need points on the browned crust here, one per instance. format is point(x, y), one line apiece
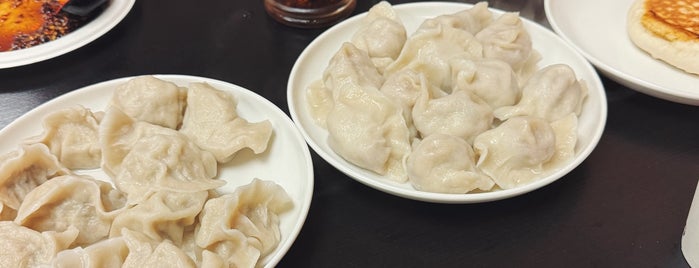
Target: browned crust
point(673, 20)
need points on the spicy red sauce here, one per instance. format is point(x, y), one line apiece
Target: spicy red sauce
point(26, 23)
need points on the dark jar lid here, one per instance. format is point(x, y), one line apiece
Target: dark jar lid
point(309, 13)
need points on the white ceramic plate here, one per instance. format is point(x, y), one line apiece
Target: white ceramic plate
point(287, 160)
point(597, 28)
point(115, 11)
point(313, 60)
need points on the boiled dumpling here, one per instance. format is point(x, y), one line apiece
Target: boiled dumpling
point(404, 88)
point(506, 39)
point(138, 156)
point(365, 127)
point(150, 99)
point(152, 167)
point(471, 20)
point(552, 93)
point(236, 251)
point(445, 164)
point(71, 135)
point(460, 114)
point(370, 132)
point(212, 259)
point(24, 247)
point(430, 51)
point(491, 80)
point(566, 131)
point(72, 201)
point(381, 34)
point(211, 122)
point(189, 245)
point(164, 215)
point(320, 102)
point(514, 153)
point(348, 65)
point(252, 211)
point(118, 132)
point(108, 253)
point(145, 252)
point(23, 170)
point(351, 65)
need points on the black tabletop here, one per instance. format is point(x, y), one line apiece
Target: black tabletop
point(625, 205)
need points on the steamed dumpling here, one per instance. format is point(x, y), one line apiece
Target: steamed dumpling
point(150, 99)
point(71, 135)
point(23, 170)
point(24, 247)
point(211, 122)
point(552, 93)
point(514, 153)
point(459, 114)
point(72, 201)
point(252, 211)
point(445, 164)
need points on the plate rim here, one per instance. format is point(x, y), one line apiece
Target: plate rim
point(303, 205)
point(388, 187)
point(115, 12)
point(639, 84)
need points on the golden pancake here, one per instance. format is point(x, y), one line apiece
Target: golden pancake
point(667, 30)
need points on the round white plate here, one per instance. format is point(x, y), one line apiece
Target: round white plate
point(597, 28)
point(313, 60)
point(287, 160)
point(115, 11)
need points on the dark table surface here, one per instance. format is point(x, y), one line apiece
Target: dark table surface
point(626, 205)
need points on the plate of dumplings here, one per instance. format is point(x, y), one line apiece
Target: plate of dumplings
point(447, 102)
point(170, 170)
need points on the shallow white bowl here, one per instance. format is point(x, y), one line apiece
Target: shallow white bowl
point(287, 160)
point(315, 57)
point(597, 29)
